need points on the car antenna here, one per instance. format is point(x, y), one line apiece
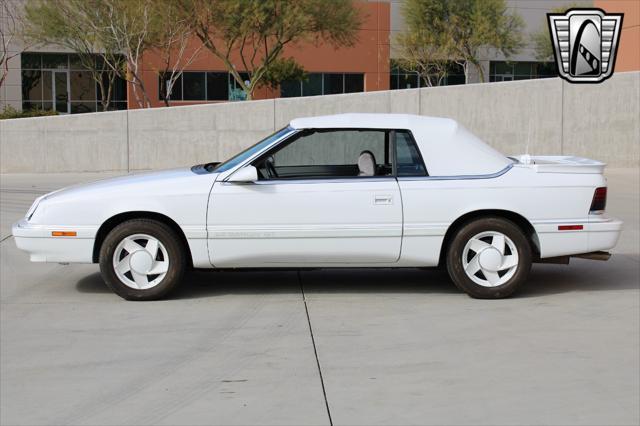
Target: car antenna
point(526, 158)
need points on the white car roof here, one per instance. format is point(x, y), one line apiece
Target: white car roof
point(448, 149)
point(373, 121)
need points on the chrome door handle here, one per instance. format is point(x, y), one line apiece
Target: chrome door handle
point(383, 199)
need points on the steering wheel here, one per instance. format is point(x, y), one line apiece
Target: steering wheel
point(271, 169)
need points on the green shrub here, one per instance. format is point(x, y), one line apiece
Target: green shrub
point(10, 112)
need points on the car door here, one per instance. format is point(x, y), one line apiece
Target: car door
point(311, 205)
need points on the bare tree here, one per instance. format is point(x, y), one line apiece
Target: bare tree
point(10, 29)
point(129, 27)
point(174, 45)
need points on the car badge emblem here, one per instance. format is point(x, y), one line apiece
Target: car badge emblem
point(585, 42)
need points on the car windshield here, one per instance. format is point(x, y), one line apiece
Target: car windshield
point(247, 153)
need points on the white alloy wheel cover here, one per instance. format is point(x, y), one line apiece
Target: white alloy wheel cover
point(490, 259)
point(140, 261)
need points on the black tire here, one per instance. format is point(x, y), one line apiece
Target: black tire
point(177, 261)
point(463, 235)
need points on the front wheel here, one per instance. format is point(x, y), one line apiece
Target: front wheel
point(489, 258)
point(142, 260)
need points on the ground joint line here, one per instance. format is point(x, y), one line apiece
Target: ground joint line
point(315, 350)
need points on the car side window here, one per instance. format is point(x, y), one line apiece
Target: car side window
point(409, 161)
point(329, 153)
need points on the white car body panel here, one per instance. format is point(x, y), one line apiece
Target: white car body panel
point(305, 223)
point(545, 206)
point(380, 221)
point(178, 194)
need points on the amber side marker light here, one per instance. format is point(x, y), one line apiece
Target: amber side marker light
point(570, 227)
point(63, 233)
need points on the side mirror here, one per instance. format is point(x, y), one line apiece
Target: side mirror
point(244, 175)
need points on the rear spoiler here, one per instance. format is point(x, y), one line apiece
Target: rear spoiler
point(560, 164)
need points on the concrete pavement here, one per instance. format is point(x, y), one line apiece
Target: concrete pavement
point(377, 346)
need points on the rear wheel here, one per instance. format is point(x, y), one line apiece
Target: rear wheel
point(489, 258)
point(142, 259)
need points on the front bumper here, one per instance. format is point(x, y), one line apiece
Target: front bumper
point(42, 247)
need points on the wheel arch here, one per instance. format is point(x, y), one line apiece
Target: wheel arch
point(520, 221)
point(109, 224)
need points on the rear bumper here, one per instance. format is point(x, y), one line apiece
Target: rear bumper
point(42, 247)
point(603, 233)
point(598, 233)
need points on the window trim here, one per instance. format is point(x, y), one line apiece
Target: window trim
point(394, 146)
point(457, 177)
point(390, 133)
point(311, 180)
point(288, 131)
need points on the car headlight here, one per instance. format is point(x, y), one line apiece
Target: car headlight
point(33, 207)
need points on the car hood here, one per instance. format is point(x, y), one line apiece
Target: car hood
point(140, 182)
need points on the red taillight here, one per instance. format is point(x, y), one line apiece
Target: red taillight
point(599, 200)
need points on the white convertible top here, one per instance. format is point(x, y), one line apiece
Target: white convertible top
point(448, 149)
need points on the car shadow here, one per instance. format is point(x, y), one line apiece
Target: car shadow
point(317, 281)
point(92, 283)
point(204, 283)
point(622, 272)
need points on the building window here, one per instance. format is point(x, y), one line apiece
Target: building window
point(235, 90)
point(407, 80)
point(61, 82)
point(333, 84)
point(217, 86)
point(353, 83)
point(55, 61)
point(290, 89)
point(194, 86)
point(31, 61)
point(176, 88)
point(508, 71)
point(118, 93)
point(323, 84)
point(401, 78)
point(312, 86)
point(83, 92)
point(202, 86)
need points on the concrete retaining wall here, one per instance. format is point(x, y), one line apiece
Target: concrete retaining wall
point(552, 116)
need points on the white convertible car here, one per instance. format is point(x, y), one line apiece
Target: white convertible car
point(351, 190)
